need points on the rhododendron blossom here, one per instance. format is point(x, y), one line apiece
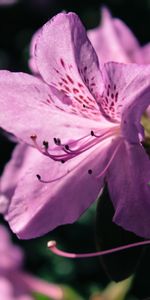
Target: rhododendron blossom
point(15, 284)
point(114, 41)
point(78, 124)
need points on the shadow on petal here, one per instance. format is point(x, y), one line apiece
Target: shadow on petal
point(118, 266)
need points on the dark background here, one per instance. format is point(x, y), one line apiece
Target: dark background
point(17, 24)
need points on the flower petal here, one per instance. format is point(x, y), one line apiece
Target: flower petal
point(32, 61)
point(128, 41)
point(6, 288)
point(27, 109)
point(41, 207)
point(128, 179)
point(11, 255)
point(111, 39)
point(67, 61)
point(123, 84)
point(146, 53)
point(15, 166)
point(138, 100)
point(114, 41)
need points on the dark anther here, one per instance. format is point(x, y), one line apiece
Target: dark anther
point(92, 133)
point(67, 147)
point(62, 161)
point(84, 105)
point(38, 177)
point(45, 144)
point(90, 171)
point(57, 141)
point(33, 137)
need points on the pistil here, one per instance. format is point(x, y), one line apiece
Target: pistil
point(52, 247)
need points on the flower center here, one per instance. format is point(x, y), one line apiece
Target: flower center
point(65, 151)
point(62, 152)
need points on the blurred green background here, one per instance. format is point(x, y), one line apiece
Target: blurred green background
point(86, 276)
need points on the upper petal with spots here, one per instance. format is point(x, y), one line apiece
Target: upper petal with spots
point(28, 110)
point(122, 84)
point(67, 61)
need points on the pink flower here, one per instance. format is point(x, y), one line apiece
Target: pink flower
point(15, 284)
point(114, 41)
point(146, 53)
point(80, 127)
point(32, 63)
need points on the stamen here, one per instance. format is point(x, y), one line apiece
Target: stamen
point(38, 177)
point(74, 142)
point(34, 140)
point(110, 161)
point(57, 141)
point(101, 135)
point(92, 133)
point(68, 151)
point(52, 246)
point(52, 180)
point(67, 147)
point(89, 171)
point(45, 144)
point(89, 143)
point(33, 137)
point(56, 157)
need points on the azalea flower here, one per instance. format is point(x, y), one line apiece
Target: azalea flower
point(78, 126)
point(15, 284)
point(114, 41)
point(32, 62)
point(146, 53)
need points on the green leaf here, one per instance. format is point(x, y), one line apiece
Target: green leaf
point(117, 291)
point(40, 297)
point(70, 294)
